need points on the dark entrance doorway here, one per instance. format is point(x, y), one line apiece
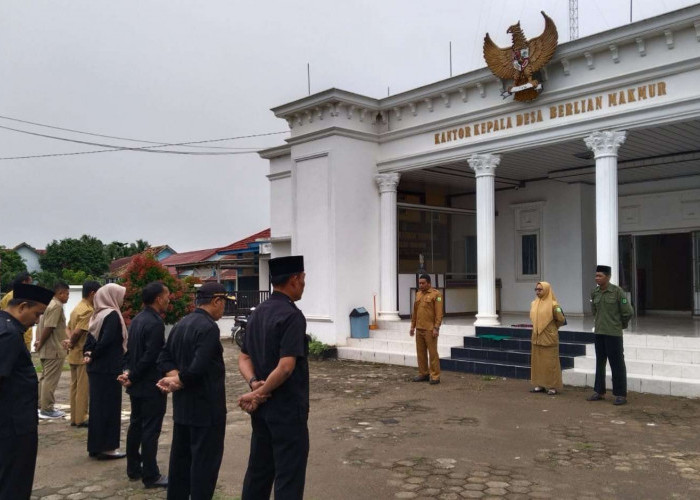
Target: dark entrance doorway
point(664, 272)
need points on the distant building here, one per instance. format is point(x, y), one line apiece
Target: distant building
point(118, 266)
point(30, 256)
point(236, 266)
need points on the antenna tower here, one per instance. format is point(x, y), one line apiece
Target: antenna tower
point(573, 19)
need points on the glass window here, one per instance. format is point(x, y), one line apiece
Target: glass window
point(529, 254)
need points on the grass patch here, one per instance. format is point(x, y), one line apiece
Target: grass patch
point(488, 378)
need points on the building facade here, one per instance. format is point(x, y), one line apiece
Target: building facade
point(490, 195)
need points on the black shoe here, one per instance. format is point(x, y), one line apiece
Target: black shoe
point(134, 476)
point(595, 397)
point(435, 381)
point(111, 455)
point(82, 424)
point(421, 378)
point(620, 400)
point(161, 482)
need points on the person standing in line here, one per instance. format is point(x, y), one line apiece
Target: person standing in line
point(274, 362)
point(51, 333)
point(78, 331)
point(104, 354)
point(612, 312)
point(546, 316)
point(193, 363)
point(23, 277)
point(425, 325)
point(19, 392)
point(146, 340)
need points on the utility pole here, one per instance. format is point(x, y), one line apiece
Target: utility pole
point(573, 19)
point(450, 59)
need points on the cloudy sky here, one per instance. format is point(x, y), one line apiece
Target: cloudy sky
point(174, 71)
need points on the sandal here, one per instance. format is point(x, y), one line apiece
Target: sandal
point(552, 392)
point(537, 389)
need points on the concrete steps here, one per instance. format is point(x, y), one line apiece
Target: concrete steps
point(656, 364)
point(391, 344)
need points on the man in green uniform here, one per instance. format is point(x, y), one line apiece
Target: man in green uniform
point(425, 325)
point(612, 312)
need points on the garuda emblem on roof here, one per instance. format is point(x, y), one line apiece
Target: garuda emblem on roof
point(520, 62)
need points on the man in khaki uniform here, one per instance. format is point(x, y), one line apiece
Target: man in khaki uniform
point(425, 324)
point(51, 333)
point(26, 279)
point(78, 331)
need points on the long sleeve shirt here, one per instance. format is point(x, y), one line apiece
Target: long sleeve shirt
point(611, 309)
point(146, 340)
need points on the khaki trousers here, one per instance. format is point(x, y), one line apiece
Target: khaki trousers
point(50, 375)
point(426, 342)
point(79, 393)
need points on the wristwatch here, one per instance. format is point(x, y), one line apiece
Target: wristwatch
point(252, 379)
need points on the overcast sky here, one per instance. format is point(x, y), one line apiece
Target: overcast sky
point(177, 71)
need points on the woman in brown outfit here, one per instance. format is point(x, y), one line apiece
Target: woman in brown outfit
point(546, 317)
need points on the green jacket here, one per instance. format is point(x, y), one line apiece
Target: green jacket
point(611, 309)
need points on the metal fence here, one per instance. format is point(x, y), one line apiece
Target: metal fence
point(245, 300)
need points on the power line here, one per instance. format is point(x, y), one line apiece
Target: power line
point(144, 149)
point(103, 135)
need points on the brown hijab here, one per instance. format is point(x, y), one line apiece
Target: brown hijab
point(541, 309)
point(108, 298)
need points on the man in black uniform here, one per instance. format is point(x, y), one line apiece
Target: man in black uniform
point(274, 361)
point(19, 392)
point(146, 340)
point(194, 365)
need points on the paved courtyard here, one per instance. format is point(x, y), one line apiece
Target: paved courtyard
point(375, 435)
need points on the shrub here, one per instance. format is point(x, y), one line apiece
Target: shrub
point(143, 269)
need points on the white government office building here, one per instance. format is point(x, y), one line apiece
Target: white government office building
point(494, 195)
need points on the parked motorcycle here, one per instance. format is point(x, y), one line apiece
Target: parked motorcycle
point(240, 323)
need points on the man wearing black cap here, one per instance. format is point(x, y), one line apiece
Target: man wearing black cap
point(274, 362)
point(612, 312)
point(193, 362)
point(19, 396)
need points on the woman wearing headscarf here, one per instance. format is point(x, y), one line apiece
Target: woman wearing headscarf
point(104, 350)
point(546, 316)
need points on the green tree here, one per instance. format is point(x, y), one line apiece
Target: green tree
point(85, 254)
point(117, 249)
point(10, 265)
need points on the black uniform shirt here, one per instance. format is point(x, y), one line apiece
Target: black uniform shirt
point(108, 350)
point(18, 381)
point(146, 340)
point(277, 329)
point(194, 348)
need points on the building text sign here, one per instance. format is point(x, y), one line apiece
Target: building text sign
point(553, 112)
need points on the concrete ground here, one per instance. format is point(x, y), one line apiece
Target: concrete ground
point(376, 435)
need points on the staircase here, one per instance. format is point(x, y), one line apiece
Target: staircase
point(509, 357)
point(391, 343)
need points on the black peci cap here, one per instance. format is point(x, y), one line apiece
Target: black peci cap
point(32, 292)
point(604, 269)
point(284, 266)
point(211, 290)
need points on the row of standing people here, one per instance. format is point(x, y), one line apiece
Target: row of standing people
point(190, 365)
point(611, 311)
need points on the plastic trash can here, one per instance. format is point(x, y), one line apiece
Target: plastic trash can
point(359, 323)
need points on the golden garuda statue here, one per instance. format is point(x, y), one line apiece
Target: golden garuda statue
point(523, 59)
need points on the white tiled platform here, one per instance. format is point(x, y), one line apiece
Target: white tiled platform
point(392, 344)
point(662, 354)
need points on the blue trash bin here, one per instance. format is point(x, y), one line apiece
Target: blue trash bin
point(359, 323)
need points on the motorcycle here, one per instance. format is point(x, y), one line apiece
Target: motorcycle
point(240, 323)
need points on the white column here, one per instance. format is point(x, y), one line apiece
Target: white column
point(388, 303)
point(605, 145)
point(484, 166)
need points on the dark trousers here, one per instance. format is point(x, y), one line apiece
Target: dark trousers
point(17, 464)
point(144, 430)
point(609, 348)
point(104, 425)
point(278, 453)
point(195, 458)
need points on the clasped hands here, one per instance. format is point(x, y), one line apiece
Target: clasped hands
point(250, 401)
point(123, 379)
point(170, 383)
